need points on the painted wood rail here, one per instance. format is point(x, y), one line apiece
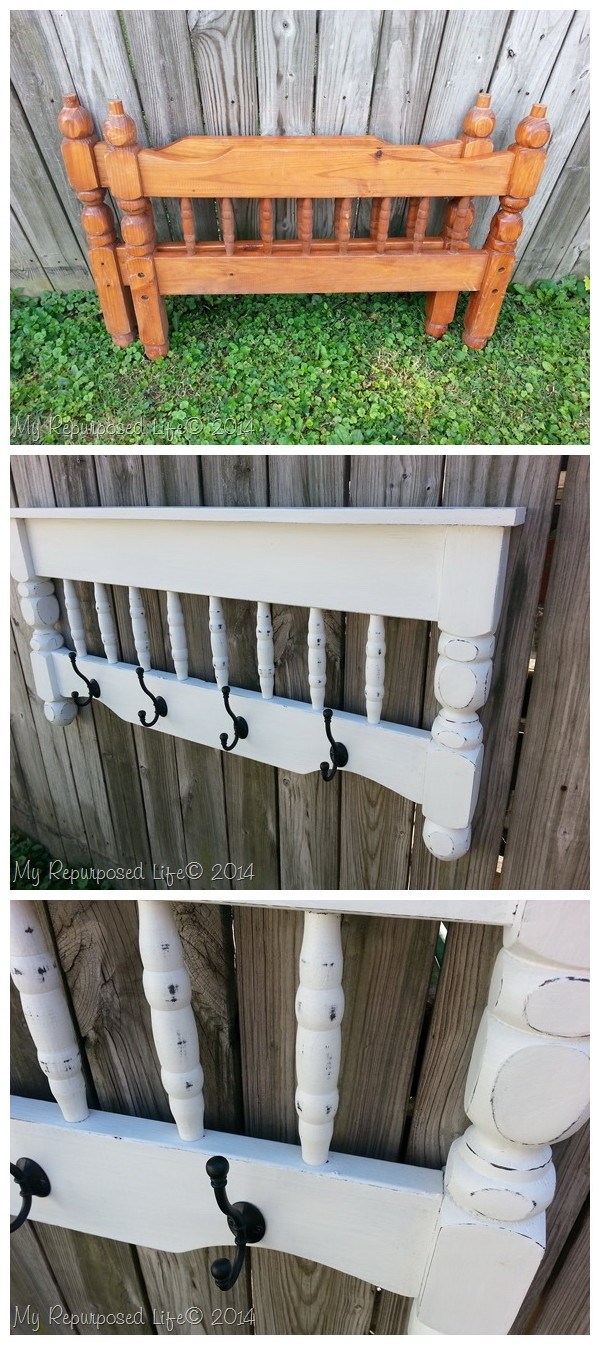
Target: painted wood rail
point(133, 276)
point(444, 565)
point(408, 1229)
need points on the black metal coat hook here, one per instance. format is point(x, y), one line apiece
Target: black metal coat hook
point(244, 1219)
point(32, 1181)
point(239, 724)
point(338, 753)
point(91, 685)
point(160, 705)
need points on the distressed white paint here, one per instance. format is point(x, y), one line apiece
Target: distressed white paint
point(136, 1181)
point(553, 930)
point(375, 669)
point(527, 1086)
point(168, 991)
point(264, 649)
point(177, 637)
point(140, 628)
point(218, 641)
point(40, 609)
point(75, 618)
point(319, 1013)
point(106, 622)
point(36, 975)
point(317, 667)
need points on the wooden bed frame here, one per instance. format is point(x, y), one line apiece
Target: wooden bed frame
point(133, 276)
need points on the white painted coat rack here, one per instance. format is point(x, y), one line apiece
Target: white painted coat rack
point(465, 1243)
point(442, 565)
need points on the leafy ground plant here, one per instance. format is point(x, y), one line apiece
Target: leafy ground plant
point(334, 369)
point(33, 868)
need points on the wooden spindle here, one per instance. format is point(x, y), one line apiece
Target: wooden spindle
point(75, 618)
point(375, 669)
point(41, 611)
point(140, 628)
point(168, 991)
point(319, 1012)
point(188, 225)
point(266, 217)
point(342, 219)
point(416, 221)
point(106, 622)
point(218, 641)
point(317, 670)
point(177, 637)
point(264, 646)
point(228, 225)
point(305, 222)
point(379, 222)
point(36, 975)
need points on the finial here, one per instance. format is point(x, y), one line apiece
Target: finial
point(480, 120)
point(534, 131)
point(119, 129)
point(73, 120)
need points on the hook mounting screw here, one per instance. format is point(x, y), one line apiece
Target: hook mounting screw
point(338, 753)
point(245, 1221)
point(91, 685)
point(240, 725)
point(160, 705)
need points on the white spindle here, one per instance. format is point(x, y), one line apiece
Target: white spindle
point(375, 668)
point(36, 975)
point(316, 657)
point(264, 647)
point(177, 635)
point(319, 1012)
point(106, 622)
point(218, 641)
point(168, 991)
point(140, 628)
point(75, 618)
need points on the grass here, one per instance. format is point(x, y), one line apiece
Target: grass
point(32, 868)
point(336, 369)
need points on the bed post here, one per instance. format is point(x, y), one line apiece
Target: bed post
point(138, 229)
point(478, 125)
point(532, 135)
point(97, 218)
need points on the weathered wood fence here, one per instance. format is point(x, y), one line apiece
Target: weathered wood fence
point(396, 1104)
point(407, 76)
point(105, 793)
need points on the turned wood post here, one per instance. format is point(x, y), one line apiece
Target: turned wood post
point(460, 212)
point(97, 218)
point(532, 135)
point(138, 229)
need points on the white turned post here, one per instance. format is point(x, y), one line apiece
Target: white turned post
point(177, 636)
point(140, 628)
point(461, 685)
point(264, 649)
point(375, 668)
point(106, 622)
point(168, 991)
point(218, 641)
point(75, 618)
point(319, 1013)
point(40, 609)
point(36, 975)
point(317, 674)
point(527, 1087)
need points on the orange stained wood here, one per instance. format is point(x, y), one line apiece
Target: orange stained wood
point(311, 166)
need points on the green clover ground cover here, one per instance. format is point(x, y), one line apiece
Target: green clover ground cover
point(335, 369)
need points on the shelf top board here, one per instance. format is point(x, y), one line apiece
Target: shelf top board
point(434, 517)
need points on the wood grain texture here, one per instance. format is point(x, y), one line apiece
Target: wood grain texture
point(567, 207)
point(376, 826)
point(33, 1286)
point(532, 481)
point(224, 56)
point(285, 65)
point(565, 1306)
point(548, 837)
point(26, 271)
point(572, 1163)
point(37, 209)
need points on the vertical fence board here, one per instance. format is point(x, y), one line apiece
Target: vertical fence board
point(565, 1307)
point(308, 807)
point(285, 64)
point(32, 1287)
point(376, 827)
point(515, 480)
point(39, 212)
point(559, 222)
point(572, 1162)
point(26, 271)
point(348, 43)
point(223, 46)
point(547, 845)
point(575, 259)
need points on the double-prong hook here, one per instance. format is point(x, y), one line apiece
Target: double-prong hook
point(245, 1221)
point(31, 1181)
point(338, 753)
point(239, 724)
point(160, 705)
point(91, 685)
